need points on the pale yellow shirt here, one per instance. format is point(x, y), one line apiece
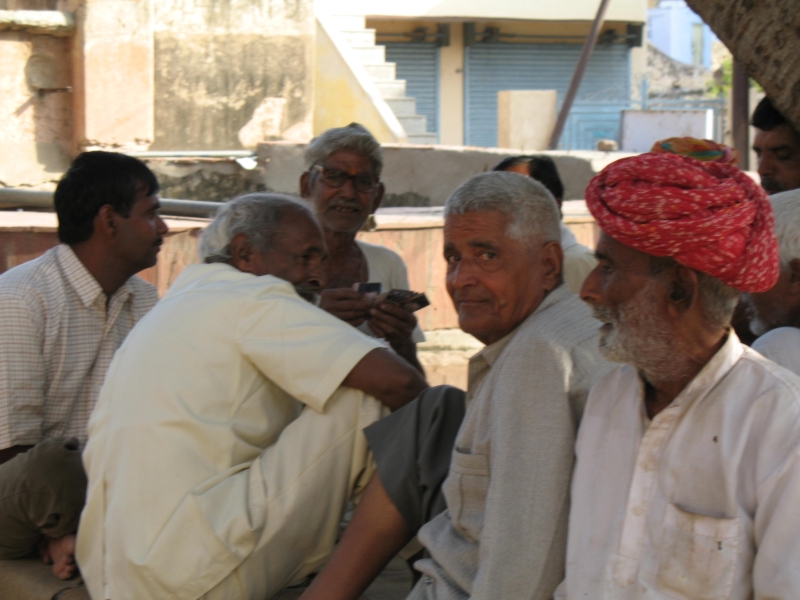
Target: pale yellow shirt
point(204, 383)
point(58, 334)
point(702, 501)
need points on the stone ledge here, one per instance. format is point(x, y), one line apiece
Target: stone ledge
point(49, 22)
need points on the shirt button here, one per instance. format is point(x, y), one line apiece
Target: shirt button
point(637, 510)
point(428, 580)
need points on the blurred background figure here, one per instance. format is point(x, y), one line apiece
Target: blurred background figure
point(777, 146)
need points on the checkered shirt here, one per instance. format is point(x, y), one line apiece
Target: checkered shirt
point(58, 333)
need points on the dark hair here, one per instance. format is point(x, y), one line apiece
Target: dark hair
point(93, 180)
point(541, 168)
point(766, 117)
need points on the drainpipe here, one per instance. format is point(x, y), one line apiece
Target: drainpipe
point(577, 77)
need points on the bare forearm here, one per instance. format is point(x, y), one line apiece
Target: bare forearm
point(408, 350)
point(389, 378)
point(376, 533)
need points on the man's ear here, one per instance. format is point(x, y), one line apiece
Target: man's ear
point(376, 202)
point(683, 290)
point(241, 251)
point(552, 257)
point(104, 223)
point(305, 185)
point(794, 276)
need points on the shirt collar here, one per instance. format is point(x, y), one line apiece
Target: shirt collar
point(713, 371)
point(568, 239)
point(492, 352)
point(83, 282)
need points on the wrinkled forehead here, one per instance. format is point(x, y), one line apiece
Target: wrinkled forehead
point(623, 256)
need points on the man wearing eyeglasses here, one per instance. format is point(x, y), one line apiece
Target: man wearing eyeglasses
point(342, 181)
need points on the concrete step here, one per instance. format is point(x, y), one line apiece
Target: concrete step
point(402, 107)
point(422, 138)
point(370, 54)
point(349, 22)
point(391, 88)
point(413, 123)
point(384, 70)
point(360, 37)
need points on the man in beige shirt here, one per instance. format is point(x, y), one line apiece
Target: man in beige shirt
point(62, 317)
point(227, 439)
point(498, 528)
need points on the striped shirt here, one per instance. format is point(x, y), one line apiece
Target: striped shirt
point(58, 333)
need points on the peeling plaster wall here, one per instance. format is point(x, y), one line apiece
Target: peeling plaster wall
point(232, 73)
point(36, 131)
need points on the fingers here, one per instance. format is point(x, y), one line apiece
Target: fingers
point(345, 304)
point(392, 322)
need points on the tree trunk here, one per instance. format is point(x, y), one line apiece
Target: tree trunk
point(764, 36)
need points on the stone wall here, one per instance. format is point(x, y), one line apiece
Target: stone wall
point(35, 126)
point(229, 74)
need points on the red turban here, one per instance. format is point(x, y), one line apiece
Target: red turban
point(708, 216)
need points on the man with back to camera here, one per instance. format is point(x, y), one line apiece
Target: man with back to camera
point(777, 145)
point(62, 317)
point(227, 439)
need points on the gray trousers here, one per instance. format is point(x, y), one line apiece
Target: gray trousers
point(412, 449)
point(42, 492)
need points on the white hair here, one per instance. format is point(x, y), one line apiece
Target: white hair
point(354, 137)
point(786, 207)
point(531, 209)
point(258, 216)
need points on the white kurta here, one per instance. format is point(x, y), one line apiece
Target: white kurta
point(700, 503)
point(181, 489)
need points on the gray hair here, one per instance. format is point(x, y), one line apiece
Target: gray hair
point(786, 207)
point(531, 210)
point(717, 298)
point(355, 137)
point(258, 216)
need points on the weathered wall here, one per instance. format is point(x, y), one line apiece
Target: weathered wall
point(427, 175)
point(205, 179)
point(230, 73)
point(36, 130)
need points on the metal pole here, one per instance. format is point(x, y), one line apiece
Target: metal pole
point(577, 77)
point(40, 199)
point(741, 114)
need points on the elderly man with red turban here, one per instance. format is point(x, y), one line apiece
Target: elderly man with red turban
point(687, 481)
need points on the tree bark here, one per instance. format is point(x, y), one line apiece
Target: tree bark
point(763, 35)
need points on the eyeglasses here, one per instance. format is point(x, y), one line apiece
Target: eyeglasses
point(336, 178)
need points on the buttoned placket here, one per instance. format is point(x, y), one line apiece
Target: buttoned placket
point(642, 489)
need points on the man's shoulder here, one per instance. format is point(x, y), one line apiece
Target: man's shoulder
point(34, 279)
point(566, 323)
point(380, 254)
point(763, 379)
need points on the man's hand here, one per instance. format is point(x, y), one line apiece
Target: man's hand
point(345, 304)
point(393, 323)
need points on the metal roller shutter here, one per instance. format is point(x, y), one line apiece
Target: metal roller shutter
point(604, 91)
point(418, 64)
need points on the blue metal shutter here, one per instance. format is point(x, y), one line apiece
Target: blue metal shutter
point(418, 64)
point(604, 92)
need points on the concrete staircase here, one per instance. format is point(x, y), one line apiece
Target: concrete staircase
point(393, 90)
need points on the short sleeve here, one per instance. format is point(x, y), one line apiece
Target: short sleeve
point(299, 347)
point(22, 374)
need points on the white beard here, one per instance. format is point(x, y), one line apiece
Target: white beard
point(640, 336)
